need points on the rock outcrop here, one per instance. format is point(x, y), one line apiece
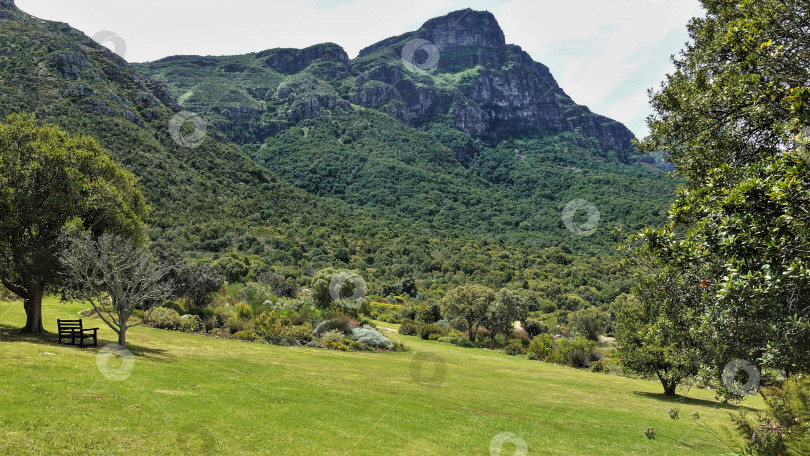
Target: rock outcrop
point(503, 91)
point(462, 72)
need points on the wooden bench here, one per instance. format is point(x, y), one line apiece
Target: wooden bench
point(73, 330)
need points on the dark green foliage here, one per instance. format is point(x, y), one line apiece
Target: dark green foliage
point(534, 328)
point(590, 322)
point(408, 329)
point(50, 181)
point(515, 348)
point(733, 119)
point(578, 352)
point(426, 331)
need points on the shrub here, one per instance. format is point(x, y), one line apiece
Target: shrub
point(191, 323)
point(302, 333)
point(268, 324)
point(515, 348)
point(364, 321)
point(534, 328)
point(444, 324)
point(434, 336)
point(464, 342)
point(784, 427)
point(590, 322)
point(333, 335)
point(370, 337)
point(390, 318)
point(541, 347)
point(247, 335)
point(340, 323)
point(243, 311)
point(576, 358)
point(236, 324)
point(597, 366)
point(163, 318)
point(408, 329)
point(173, 305)
point(335, 345)
point(583, 351)
point(425, 331)
point(220, 315)
point(354, 345)
point(449, 340)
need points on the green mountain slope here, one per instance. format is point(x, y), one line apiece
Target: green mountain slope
point(486, 143)
point(213, 201)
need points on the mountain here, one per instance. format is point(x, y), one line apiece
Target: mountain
point(446, 128)
point(456, 69)
point(294, 173)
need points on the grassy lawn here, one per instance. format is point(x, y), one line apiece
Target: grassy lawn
point(189, 394)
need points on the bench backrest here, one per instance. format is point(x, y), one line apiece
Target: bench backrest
point(67, 325)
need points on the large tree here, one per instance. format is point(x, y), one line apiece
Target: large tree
point(732, 118)
point(469, 302)
point(49, 179)
point(502, 313)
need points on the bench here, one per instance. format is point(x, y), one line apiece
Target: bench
point(72, 330)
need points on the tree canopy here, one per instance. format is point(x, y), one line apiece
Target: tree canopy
point(48, 180)
point(732, 119)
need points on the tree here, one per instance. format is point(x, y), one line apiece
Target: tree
point(469, 302)
point(49, 179)
point(232, 268)
point(507, 308)
point(113, 270)
point(732, 119)
point(590, 322)
point(332, 286)
point(656, 331)
point(195, 282)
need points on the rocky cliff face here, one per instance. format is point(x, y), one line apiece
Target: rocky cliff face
point(502, 92)
point(455, 69)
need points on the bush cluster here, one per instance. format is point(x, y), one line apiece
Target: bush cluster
point(163, 318)
point(578, 352)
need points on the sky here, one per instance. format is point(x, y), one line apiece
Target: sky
point(604, 53)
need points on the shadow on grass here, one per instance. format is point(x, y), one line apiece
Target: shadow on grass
point(12, 334)
point(683, 400)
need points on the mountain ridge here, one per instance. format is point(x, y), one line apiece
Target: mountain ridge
point(480, 85)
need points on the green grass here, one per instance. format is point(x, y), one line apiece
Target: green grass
point(189, 394)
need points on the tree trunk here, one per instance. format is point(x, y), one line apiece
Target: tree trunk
point(122, 336)
point(669, 385)
point(33, 311)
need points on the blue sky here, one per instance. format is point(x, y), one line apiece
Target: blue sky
point(604, 53)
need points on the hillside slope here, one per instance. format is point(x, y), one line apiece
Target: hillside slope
point(484, 142)
point(213, 201)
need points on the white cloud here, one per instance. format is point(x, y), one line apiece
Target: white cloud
point(605, 54)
